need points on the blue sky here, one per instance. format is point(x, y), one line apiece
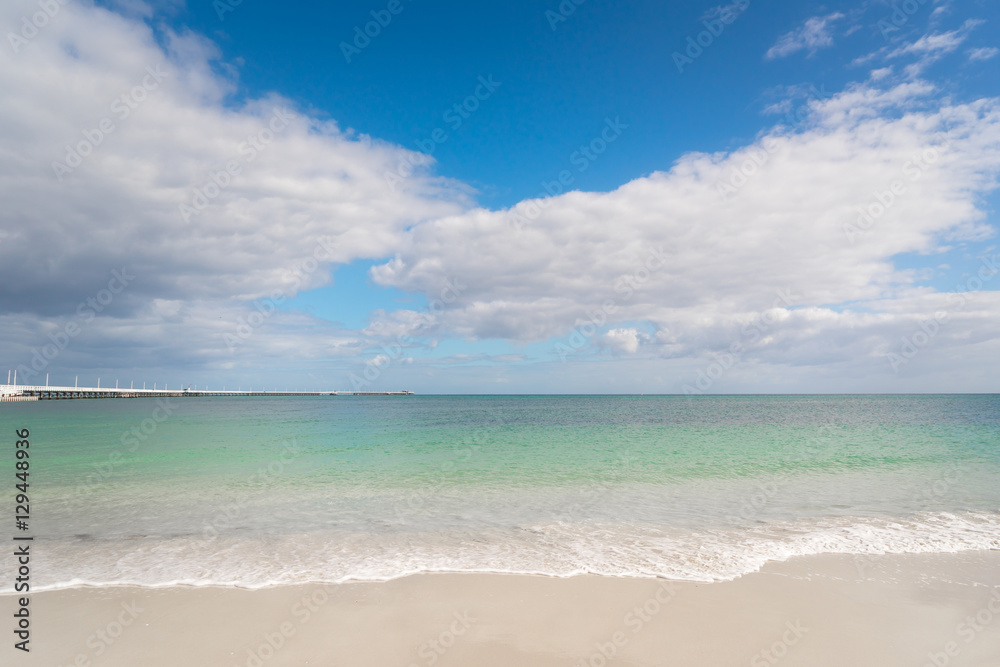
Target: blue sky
point(834, 103)
point(607, 59)
point(559, 80)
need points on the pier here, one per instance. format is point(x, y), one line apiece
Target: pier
point(9, 393)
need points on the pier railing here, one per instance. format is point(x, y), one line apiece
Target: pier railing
point(9, 392)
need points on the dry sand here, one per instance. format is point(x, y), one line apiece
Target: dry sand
point(909, 610)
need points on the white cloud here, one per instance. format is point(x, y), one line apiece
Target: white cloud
point(942, 9)
point(941, 42)
point(727, 260)
point(812, 35)
point(984, 53)
point(623, 340)
point(380, 360)
point(80, 200)
point(314, 182)
point(720, 264)
point(932, 47)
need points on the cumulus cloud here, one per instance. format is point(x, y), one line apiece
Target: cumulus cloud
point(124, 148)
point(812, 35)
point(779, 246)
point(623, 340)
point(779, 224)
point(79, 199)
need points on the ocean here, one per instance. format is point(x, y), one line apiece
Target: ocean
point(256, 492)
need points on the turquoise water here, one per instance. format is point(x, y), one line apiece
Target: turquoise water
point(263, 491)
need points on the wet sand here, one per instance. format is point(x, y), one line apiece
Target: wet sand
point(913, 610)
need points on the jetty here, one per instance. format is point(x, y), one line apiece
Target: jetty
point(13, 392)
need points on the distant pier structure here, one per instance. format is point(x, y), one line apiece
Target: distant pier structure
point(14, 392)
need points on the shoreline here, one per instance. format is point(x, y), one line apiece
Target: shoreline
point(827, 609)
point(319, 558)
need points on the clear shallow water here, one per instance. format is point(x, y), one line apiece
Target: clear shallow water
point(256, 492)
